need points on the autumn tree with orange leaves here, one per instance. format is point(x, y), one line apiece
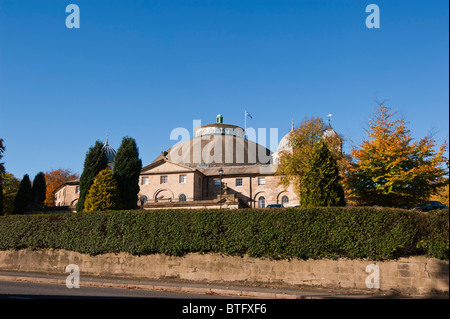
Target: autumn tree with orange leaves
point(390, 168)
point(54, 179)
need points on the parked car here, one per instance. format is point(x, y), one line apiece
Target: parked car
point(430, 205)
point(274, 206)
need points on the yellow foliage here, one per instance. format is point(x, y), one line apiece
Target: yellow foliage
point(442, 195)
point(389, 168)
point(103, 194)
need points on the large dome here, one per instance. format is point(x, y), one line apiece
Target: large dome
point(217, 145)
point(217, 151)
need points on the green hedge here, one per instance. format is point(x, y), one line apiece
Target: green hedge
point(372, 233)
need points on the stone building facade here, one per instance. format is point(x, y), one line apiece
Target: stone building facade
point(218, 168)
point(67, 194)
point(167, 184)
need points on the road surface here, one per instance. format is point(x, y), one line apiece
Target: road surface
point(26, 290)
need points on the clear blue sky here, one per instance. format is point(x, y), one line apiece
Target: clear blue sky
point(143, 68)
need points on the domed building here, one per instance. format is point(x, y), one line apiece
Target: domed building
point(218, 167)
point(110, 154)
point(217, 145)
point(68, 193)
point(330, 133)
point(283, 146)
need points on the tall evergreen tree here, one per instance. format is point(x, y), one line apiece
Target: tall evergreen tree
point(94, 162)
point(320, 184)
point(103, 194)
point(2, 210)
point(24, 196)
point(2, 172)
point(10, 189)
point(127, 167)
point(39, 188)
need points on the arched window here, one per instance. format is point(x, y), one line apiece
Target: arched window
point(285, 201)
point(182, 198)
point(262, 202)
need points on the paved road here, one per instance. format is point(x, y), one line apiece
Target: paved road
point(111, 287)
point(26, 290)
point(17, 290)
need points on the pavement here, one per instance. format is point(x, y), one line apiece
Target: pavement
point(259, 291)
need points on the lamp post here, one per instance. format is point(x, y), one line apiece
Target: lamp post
point(220, 174)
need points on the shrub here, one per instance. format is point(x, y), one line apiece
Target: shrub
point(377, 234)
point(103, 194)
point(435, 240)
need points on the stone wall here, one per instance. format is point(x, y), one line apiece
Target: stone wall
point(414, 275)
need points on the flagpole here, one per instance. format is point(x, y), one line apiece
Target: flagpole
point(245, 123)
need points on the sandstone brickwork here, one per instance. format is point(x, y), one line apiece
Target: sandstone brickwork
point(416, 275)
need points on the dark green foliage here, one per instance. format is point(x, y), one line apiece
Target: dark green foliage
point(2, 172)
point(127, 167)
point(24, 196)
point(435, 239)
point(94, 162)
point(320, 183)
point(39, 188)
point(10, 186)
point(2, 211)
point(377, 234)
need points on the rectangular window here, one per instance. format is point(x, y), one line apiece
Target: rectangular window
point(238, 181)
point(261, 181)
point(144, 180)
point(217, 183)
point(163, 179)
point(183, 178)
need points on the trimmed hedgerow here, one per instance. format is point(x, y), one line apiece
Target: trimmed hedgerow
point(373, 233)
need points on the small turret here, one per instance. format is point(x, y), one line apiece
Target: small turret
point(110, 153)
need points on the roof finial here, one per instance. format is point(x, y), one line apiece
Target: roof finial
point(106, 143)
point(292, 128)
point(329, 120)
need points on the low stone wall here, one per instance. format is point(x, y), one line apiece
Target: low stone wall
point(414, 275)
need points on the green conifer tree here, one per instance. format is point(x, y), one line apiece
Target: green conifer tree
point(94, 162)
point(320, 184)
point(127, 167)
point(24, 196)
point(10, 189)
point(39, 188)
point(103, 194)
point(2, 172)
point(2, 210)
